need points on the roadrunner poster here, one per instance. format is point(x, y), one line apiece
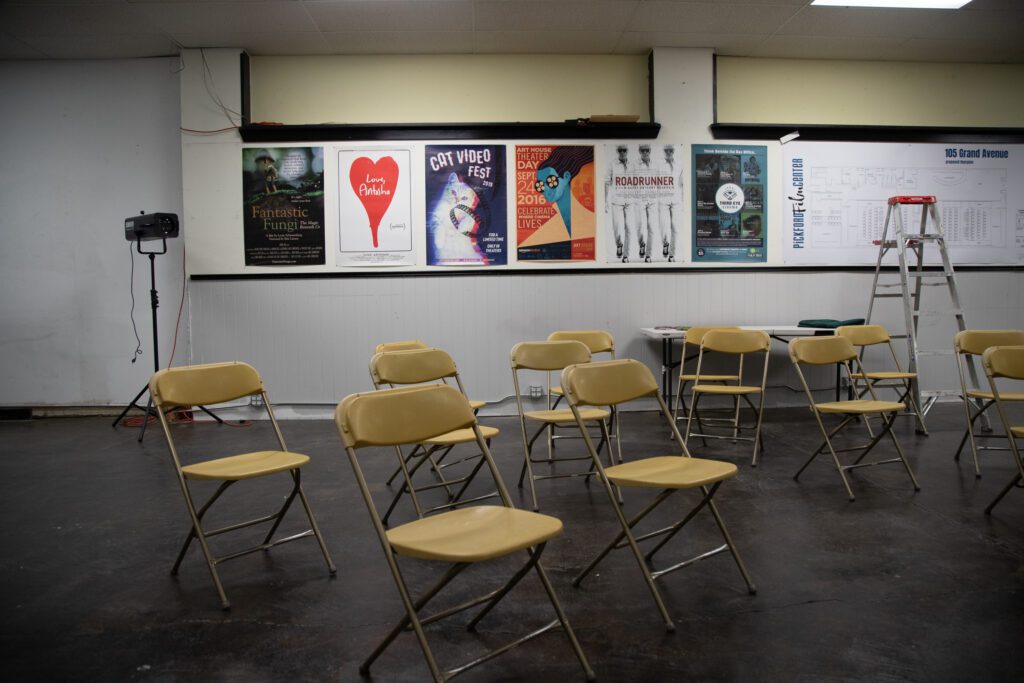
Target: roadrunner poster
point(375, 208)
point(466, 218)
point(729, 203)
point(555, 203)
point(283, 194)
point(643, 202)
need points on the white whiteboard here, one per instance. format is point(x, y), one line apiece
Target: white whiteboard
point(835, 200)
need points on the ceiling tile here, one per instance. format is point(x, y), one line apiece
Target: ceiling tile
point(541, 16)
point(392, 15)
point(642, 41)
point(693, 17)
point(545, 42)
point(240, 17)
point(400, 42)
point(80, 19)
point(819, 47)
point(842, 21)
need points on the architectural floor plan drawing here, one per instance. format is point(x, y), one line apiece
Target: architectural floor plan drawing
point(836, 199)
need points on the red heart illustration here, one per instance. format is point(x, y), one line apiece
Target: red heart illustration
point(374, 183)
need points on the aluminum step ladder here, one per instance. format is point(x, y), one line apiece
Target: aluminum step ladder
point(912, 246)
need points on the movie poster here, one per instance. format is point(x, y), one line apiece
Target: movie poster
point(555, 203)
point(467, 223)
point(283, 192)
point(729, 203)
point(643, 202)
point(375, 208)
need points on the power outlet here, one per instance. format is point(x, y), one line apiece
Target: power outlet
point(256, 401)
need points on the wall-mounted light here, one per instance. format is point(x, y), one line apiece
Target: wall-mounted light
point(903, 4)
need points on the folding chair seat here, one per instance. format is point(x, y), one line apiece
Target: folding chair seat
point(863, 336)
point(461, 538)
point(419, 366)
point(1006, 362)
point(839, 350)
point(691, 345)
point(967, 344)
point(740, 343)
point(614, 383)
point(548, 357)
point(208, 385)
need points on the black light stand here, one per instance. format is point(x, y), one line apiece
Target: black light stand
point(154, 302)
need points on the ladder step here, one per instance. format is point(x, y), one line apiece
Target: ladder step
point(940, 392)
point(953, 311)
point(888, 296)
point(936, 352)
point(912, 199)
point(926, 237)
point(915, 273)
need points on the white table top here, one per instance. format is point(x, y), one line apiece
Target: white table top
point(666, 332)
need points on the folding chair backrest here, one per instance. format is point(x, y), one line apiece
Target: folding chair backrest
point(695, 335)
point(204, 385)
point(406, 415)
point(1004, 361)
point(821, 350)
point(548, 355)
point(974, 342)
point(414, 366)
point(608, 383)
point(598, 341)
point(864, 335)
point(735, 341)
point(400, 346)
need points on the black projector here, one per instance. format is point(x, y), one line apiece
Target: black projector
point(150, 226)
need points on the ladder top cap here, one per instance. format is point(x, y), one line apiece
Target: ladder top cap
point(912, 199)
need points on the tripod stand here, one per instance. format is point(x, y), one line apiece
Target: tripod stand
point(154, 303)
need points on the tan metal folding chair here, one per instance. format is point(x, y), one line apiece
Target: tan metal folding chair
point(969, 343)
point(400, 346)
point(419, 366)
point(600, 343)
point(863, 336)
point(208, 385)
point(740, 343)
point(613, 383)
point(461, 538)
point(691, 345)
point(1006, 362)
point(548, 357)
point(839, 350)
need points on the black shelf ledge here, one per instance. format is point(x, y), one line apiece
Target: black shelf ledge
point(325, 132)
point(822, 133)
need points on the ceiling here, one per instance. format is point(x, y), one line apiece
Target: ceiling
point(990, 31)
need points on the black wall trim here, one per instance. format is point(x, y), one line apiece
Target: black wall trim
point(244, 84)
point(821, 133)
point(522, 272)
point(581, 129)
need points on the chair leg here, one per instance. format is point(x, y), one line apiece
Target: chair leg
point(887, 426)
point(1016, 481)
point(832, 451)
point(564, 620)
point(197, 532)
point(758, 441)
point(313, 525)
point(751, 588)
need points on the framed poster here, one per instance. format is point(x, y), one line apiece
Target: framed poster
point(729, 203)
point(555, 203)
point(643, 201)
point(375, 207)
point(283, 215)
point(465, 190)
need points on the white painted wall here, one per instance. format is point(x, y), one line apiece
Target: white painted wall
point(85, 144)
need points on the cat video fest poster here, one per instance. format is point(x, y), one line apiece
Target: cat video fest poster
point(467, 222)
point(283, 194)
point(375, 207)
point(555, 203)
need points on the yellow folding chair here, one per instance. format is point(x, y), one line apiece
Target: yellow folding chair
point(391, 369)
point(969, 343)
point(208, 385)
point(548, 357)
point(839, 350)
point(863, 336)
point(1006, 362)
point(613, 383)
point(599, 342)
point(691, 345)
point(740, 343)
point(461, 538)
point(400, 346)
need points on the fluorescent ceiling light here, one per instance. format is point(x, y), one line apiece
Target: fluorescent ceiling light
point(906, 4)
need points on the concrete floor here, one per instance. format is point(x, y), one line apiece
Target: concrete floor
point(895, 586)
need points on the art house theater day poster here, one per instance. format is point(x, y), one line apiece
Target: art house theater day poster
point(467, 223)
point(283, 191)
point(555, 203)
point(729, 203)
point(375, 208)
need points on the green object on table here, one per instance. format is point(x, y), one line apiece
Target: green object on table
point(829, 322)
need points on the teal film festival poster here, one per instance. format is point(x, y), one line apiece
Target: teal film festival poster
point(729, 203)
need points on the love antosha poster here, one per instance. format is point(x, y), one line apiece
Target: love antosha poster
point(375, 208)
point(283, 215)
point(555, 203)
point(466, 217)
